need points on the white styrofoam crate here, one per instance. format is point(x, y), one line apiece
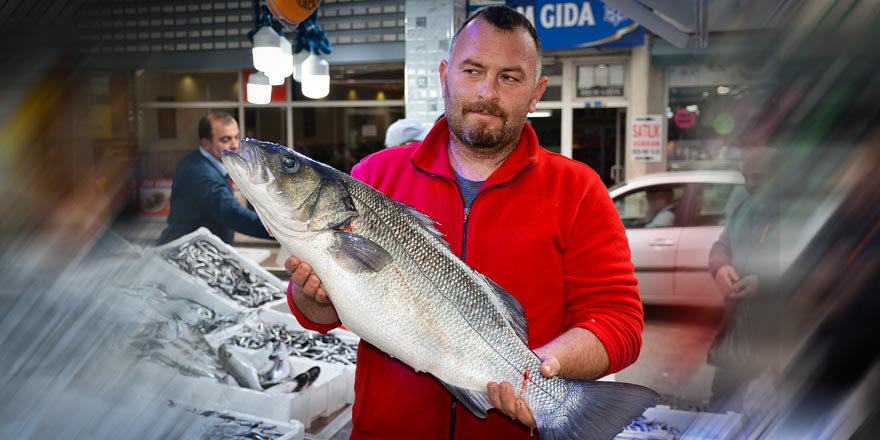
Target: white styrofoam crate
point(231, 253)
point(341, 390)
point(278, 312)
point(304, 406)
point(688, 425)
point(291, 429)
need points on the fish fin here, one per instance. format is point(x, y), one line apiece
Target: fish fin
point(357, 253)
point(425, 221)
point(475, 401)
point(593, 409)
point(514, 311)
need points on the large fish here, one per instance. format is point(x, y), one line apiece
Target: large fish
point(392, 278)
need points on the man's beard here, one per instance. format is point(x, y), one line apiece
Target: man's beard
point(478, 135)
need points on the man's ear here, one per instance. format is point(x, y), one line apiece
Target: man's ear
point(444, 64)
point(540, 88)
point(205, 143)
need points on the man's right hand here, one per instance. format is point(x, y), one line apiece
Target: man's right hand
point(308, 293)
point(725, 278)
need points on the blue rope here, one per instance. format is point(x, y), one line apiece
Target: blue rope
point(310, 36)
point(263, 17)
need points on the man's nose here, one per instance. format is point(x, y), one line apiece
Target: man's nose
point(488, 89)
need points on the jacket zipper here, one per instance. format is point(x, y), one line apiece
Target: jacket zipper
point(467, 214)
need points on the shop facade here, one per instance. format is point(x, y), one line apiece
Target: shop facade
point(619, 99)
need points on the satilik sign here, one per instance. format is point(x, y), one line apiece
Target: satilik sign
point(647, 138)
point(575, 24)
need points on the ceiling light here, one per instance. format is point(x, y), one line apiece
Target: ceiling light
point(298, 59)
point(266, 49)
point(315, 77)
point(259, 90)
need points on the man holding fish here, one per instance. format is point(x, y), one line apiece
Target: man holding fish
point(538, 224)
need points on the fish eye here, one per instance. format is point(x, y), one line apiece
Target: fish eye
point(290, 164)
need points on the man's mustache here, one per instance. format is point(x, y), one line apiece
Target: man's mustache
point(491, 109)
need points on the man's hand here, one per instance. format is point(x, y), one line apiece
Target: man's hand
point(725, 278)
point(504, 395)
point(746, 287)
point(309, 284)
point(308, 293)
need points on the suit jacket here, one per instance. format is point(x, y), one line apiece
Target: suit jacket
point(201, 196)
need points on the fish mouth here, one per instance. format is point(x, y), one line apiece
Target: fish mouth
point(249, 163)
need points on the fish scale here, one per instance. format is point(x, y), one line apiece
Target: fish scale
point(402, 232)
point(396, 284)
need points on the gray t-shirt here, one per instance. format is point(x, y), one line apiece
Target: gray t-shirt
point(469, 190)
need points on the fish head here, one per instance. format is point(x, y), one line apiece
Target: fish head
point(292, 193)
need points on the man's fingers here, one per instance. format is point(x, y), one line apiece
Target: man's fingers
point(550, 366)
point(301, 274)
point(291, 264)
point(524, 415)
point(508, 400)
point(494, 397)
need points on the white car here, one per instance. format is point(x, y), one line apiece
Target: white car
point(671, 253)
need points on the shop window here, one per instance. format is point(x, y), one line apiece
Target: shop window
point(159, 86)
point(368, 82)
point(710, 110)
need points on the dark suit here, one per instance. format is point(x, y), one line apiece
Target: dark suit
point(202, 196)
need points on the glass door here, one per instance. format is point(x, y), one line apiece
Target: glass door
point(598, 139)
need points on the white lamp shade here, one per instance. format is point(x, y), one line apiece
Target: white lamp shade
point(298, 58)
point(259, 91)
point(285, 60)
point(266, 49)
point(315, 77)
point(275, 79)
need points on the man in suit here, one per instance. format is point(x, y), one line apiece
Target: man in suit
point(201, 194)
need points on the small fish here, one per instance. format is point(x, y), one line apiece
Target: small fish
point(306, 379)
point(386, 269)
point(281, 369)
point(239, 368)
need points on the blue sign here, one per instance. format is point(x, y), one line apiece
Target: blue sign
point(575, 24)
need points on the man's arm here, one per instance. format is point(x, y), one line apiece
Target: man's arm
point(603, 314)
point(226, 209)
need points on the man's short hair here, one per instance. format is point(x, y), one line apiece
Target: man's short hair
point(506, 19)
point(205, 131)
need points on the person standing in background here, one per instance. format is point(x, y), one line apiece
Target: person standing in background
point(745, 265)
point(201, 193)
point(404, 132)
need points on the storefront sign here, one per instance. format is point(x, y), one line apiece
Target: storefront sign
point(723, 123)
point(600, 91)
point(684, 118)
point(575, 24)
point(647, 138)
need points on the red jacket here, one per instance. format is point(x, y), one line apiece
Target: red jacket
point(543, 227)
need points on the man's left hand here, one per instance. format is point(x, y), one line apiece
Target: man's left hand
point(504, 395)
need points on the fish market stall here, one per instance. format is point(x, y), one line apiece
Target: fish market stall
point(261, 361)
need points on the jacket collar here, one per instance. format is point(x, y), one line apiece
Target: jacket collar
point(213, 161)
point(432, 156)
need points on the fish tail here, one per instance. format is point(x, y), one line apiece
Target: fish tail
point(593, 410)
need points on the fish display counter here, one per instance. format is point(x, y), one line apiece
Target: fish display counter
point(224, 329)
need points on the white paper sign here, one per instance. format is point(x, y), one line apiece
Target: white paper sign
point(647, 138)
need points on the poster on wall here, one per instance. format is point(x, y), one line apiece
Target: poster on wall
point(647, 138)
point(574, 24)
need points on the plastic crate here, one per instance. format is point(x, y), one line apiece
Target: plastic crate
point(278, 312)
point(686, 425)
point(230, 253)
